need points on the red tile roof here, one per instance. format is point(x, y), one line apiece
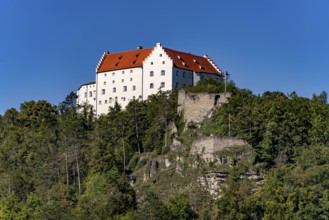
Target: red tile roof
point(191, 62)
point(135, 58)
point(123, 60)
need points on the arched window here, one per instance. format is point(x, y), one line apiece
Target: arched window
point(163, 72)
point(151, 73)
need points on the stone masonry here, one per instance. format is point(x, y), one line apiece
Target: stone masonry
point(207, 147)
point(197, 106)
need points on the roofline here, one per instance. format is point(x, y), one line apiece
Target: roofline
point(86, 84)
point(108, 53)
point(219, 71)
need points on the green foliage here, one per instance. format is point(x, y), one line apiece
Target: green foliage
point(210, 85)
point(63, 163)
point(105, 197)
point(179, 207)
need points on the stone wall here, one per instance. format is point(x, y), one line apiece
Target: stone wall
point(207, 147)
point(197, 106)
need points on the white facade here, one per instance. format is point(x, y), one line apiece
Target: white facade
point(87, 94)
point(161, 69)
point(118, 85)
point(157, 72)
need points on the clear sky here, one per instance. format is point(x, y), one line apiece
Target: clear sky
point(50, 47)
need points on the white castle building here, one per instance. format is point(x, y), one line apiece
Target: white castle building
point(136, 74)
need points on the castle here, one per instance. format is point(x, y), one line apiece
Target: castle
point(136, 74)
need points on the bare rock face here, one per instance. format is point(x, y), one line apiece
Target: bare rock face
point(151, 171)
point(208, 147)
point(213, 182)
point(176, 145)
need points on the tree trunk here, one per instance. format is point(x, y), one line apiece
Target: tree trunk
point(67, 170)
point(124, 150)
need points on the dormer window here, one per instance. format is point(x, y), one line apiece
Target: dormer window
point(178, 57)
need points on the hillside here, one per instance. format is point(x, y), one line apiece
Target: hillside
point(250, 157)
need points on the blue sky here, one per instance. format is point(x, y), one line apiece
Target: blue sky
point(49, 48)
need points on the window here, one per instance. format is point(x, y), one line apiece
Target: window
point(131, 79)
point(151, 73)
point(103, 91)
point(133, 97)
point(122, 80)
point(162, 85)
point(113, 73)
point(202, 77)
point(184, 74)
point(110, 100)
point(116, 98)
point(105, 101)
point(113, 81)
point(151, 63)
point(105, 74)
point(160, 54)
point(104, 82)
point(85, 94)
point(90, 94)
point(190, 75)
point(100, 102)
point(123, 98)
point(151, 85)
point(177, 84)
point(114, 89)
point(125, 88)
point(163, 73)
point(140, 97)
point(177, 74)
point(131, 71)
point(163, 62)
point(123, 72)
point(134, 88)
